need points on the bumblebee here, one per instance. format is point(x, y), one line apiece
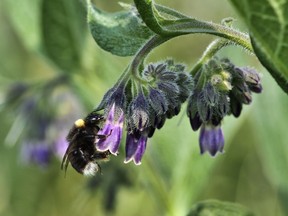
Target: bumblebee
point(81, 152)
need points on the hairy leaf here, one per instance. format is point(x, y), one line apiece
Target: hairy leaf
point(170, 23)
point(121, 33)
point(267, 23)
point(63, 29)
point(217, 208)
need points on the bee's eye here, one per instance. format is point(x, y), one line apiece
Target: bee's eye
point(75, 152)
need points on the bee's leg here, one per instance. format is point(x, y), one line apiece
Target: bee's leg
point(99, 169)
point(102, 136)
point(65, 162)
point(101, 155)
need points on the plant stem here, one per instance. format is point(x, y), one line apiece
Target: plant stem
point(142, 53)
point(210, 51)
point(192, 26)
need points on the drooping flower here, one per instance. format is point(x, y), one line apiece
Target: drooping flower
point(211, 139)
point(135, 146)
point(221, 89)
point(112, 129)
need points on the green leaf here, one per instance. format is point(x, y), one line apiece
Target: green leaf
point(121, 33)
point(170, 23)
point(270, 123)
point(63, 31)
point(267, 23)
point(217, 208)
point(150, 15)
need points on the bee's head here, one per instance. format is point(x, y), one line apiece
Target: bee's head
point(93, 118)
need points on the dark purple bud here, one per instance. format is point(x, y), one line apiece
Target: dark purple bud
point(159, 121)
point(192, 112)
point(210, 95)
point(157, 101)
point(167, 76)
point(160, 68)
point(251, 75)
point(235, 106)
point(256, 88)
point(135, 147)
point(115, 95)
point(252, 78)
point(173, 110)
point(111, 133)
point(216, 120)
point(223, 105)
point(242, 93)
point(150, 131)
point(186, 85)
point(211, 139)
point(195, 122)
point(170, 89)
point(138, 114)
point(204, 110)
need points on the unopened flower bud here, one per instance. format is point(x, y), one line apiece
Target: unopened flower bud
point(138, 114)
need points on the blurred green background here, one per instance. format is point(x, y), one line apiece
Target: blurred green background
point(173, 176)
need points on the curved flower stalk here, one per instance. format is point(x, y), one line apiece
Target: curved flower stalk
point(143, 105)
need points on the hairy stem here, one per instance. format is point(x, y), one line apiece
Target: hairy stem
point(210, 51)
point(143, 52)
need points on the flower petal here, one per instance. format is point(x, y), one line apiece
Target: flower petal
point(211, 139)
point(135, 148)
point(113, 131)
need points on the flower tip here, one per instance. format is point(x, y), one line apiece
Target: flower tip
point(126, 161)
point(137, 163)
point(114, 152)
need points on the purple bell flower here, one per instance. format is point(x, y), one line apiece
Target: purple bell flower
point(211, 139)
point(112, 129)
point(37, 153)
point(135, 147)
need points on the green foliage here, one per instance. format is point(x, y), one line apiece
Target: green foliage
point(63, 32)
point(121, 33)
point(26, 18)
point(173, 175)
point(170, 23)
point(274, 143)
point(267, 22)
point(217, 208)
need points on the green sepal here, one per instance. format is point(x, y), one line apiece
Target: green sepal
point(267, 25)
point(121, 33)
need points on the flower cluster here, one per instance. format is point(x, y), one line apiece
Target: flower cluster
point(144, 108)
point(221, 89)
